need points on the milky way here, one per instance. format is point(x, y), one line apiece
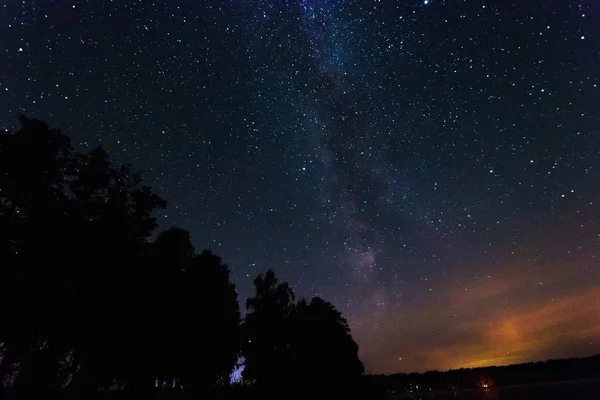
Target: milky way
point(431, 167)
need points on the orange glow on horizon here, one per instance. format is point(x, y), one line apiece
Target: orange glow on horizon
point(494, 334)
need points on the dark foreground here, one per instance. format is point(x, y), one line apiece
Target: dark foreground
point(571, 390)
point(578, 390)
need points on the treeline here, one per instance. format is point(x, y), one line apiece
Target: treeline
point(93, 299)
point(470, 378)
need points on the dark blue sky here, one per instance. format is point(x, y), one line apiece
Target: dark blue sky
point(429, 167)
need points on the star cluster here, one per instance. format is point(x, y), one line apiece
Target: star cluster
point(431, 167)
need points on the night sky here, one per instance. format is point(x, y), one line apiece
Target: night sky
point(431, 167)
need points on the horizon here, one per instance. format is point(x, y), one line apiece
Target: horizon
point(429, 167)
point(489, 366)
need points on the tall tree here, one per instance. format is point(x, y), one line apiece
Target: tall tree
point(74, 230)
point(296, 344)
point(196, 314)
point(36, 217)
point(324, 350)
point(265, 345)
point(212, 321)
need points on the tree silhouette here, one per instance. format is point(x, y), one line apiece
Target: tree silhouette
point(324, 350)
point(196, 314)
point(303, 344)
point(86, 298)
point(266, 346)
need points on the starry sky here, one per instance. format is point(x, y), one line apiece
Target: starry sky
point(431, 167)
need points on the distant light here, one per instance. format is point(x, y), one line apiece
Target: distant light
point(583, 37)
point(236, 375)
point(21, 49)
point(426, 2)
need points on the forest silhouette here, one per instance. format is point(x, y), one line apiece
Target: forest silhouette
point(94, 300)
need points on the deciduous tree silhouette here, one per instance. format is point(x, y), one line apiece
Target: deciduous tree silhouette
point(266, 342)
point(299, 345)
point(196, 314)
point(84, 294)
point(324, 350)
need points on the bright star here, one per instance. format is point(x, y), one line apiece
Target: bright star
point(426, 2)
